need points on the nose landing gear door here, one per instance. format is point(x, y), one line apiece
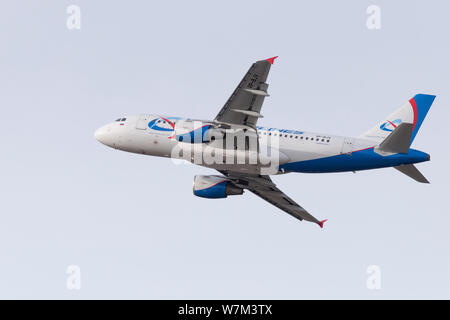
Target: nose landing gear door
point(347, 146)
point(142, 122)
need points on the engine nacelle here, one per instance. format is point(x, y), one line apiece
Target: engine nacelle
point(196, 131)
point(214, 187)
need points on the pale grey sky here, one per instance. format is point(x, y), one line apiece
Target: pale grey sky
point(132, 223)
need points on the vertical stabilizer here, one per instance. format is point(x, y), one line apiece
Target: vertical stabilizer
point(413, 111)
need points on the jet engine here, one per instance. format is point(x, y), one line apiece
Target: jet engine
point(214, 187)
point(196, 131)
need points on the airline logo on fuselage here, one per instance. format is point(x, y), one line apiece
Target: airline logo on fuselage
point(390, 125)
point(156, 124)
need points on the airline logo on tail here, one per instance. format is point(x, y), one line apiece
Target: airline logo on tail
point(390, 125)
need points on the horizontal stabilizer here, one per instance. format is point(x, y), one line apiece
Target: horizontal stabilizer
point(411, 171)
point(399, 140)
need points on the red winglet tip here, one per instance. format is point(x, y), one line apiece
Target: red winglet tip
point(271, 60)
point(320, 223)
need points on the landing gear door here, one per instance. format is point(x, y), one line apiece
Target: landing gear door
point(142, 122)
point(347, 146)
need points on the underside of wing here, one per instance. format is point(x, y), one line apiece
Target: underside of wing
point(244, 105)
point(264, 187)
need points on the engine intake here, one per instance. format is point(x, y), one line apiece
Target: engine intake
point(214, 187)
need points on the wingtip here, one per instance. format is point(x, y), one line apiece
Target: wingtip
point(271, 60)
point(320, 223)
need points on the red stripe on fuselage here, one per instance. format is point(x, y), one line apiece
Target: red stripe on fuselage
point(364, 149)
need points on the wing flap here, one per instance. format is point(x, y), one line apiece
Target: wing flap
point(263, 187)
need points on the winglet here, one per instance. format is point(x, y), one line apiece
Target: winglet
point(320, 223)
point(271, 60)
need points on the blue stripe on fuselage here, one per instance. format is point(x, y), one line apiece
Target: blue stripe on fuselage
point(358, 160)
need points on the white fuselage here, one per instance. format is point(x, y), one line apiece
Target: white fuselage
point(297, 151)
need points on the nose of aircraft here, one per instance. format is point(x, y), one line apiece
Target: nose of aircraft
point(104, 135)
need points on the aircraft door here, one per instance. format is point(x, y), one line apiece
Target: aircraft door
point(142, 122)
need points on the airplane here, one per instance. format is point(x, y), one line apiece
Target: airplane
point(246, 155)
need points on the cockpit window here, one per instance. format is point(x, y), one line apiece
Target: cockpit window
point(121, 119)
point(118, 119)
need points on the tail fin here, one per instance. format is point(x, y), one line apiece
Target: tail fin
point(413, 111)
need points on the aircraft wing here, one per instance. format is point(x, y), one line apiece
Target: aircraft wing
point(244, 105)
point(264, 188)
